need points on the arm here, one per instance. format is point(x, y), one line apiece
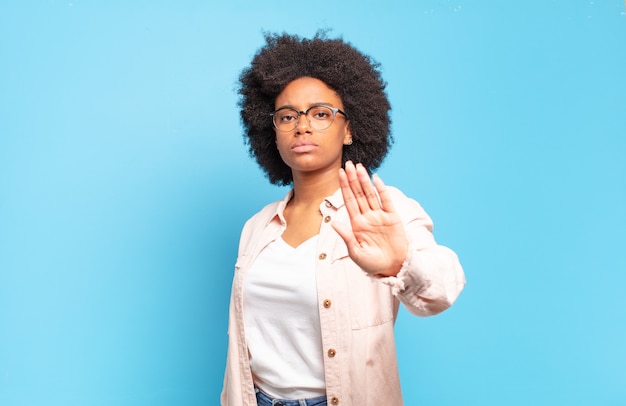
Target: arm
point(431, 277)
point(396, 244)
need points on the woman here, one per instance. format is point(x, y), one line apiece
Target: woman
point(320, 274)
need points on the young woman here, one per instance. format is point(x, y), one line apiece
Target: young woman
point(320, 274)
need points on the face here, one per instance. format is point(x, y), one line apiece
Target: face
point(305, 149)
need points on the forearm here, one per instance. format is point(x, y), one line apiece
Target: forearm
point(429, 282)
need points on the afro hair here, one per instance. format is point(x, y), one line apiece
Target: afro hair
point(354, 76)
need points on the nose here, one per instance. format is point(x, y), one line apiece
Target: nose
point(303, 122)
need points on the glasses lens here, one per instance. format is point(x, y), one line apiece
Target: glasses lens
point(286, 119)
point(320, 117)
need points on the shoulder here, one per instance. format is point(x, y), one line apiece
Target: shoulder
point(268, 212)
point(408, 208)
point(264, 215)
point(395, 193)
point(256, 224)
point(401, 201)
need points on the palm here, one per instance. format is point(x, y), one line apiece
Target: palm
point(376, 242)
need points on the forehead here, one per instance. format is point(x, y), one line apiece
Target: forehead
point(303, 92)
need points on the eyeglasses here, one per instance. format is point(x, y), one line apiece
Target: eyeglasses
point(319, 117)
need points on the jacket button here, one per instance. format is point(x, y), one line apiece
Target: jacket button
point(334, 400)
point(322, 255)
point(327, 303)
point(332, 353)
point(326, 219)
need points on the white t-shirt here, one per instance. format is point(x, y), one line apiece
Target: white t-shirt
point(282, 321)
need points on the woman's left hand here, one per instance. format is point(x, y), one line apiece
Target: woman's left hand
point(377, 241)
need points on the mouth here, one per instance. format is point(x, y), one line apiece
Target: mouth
point(303, 147)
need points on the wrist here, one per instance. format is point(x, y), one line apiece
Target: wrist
point(393, 270)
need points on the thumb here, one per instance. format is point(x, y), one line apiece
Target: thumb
point(344, 232)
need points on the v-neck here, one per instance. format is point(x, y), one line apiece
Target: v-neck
point(303, 245)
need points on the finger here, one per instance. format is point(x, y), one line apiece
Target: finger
point(356, 187)
point(348, 197)
point(368, 188)
point(383, 193)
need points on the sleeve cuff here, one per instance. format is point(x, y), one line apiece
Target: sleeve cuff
point(397, 282)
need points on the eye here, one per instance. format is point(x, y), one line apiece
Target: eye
point(321, 113)
point(287, 116)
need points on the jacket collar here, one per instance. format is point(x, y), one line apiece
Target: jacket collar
point(336, 200)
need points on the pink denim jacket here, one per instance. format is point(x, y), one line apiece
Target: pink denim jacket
point(357, 312)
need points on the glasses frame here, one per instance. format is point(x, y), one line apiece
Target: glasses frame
point(335, 110)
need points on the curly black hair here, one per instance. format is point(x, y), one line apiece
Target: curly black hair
point(354, 76)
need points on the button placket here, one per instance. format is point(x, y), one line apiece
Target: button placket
point(328, 316)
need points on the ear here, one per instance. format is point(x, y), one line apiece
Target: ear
point(347, 139)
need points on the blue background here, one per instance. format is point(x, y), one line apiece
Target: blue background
point(124, 184)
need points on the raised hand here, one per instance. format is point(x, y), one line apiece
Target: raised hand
point(377, 241)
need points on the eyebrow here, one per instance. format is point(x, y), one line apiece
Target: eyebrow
point(311, 105)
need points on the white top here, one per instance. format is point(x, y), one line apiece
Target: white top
point(282, 321)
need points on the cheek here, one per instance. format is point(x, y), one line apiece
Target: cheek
point(278, 141)
point(280, 145)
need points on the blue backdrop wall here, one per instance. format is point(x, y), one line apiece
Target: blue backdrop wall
point(124, 183)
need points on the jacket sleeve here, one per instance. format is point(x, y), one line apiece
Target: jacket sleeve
point(431, 277)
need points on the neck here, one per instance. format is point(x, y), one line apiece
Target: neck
point(312, 190)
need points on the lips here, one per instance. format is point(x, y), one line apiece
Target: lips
point(304, 146)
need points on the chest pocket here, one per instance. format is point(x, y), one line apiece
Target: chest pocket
point(371, 302)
